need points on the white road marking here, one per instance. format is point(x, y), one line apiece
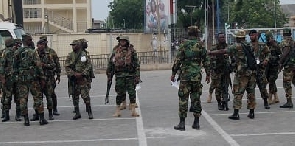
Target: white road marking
point(264, 134)
point(139, 123)
point(214, 124)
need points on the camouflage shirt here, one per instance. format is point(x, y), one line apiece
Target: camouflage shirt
point(52, 53)
point(261, 52)
point(48, 62)
point(287, 58)
point(275, 53)
point(78, 62)
point(189, 60)
point(219, 62)
point(6, 67)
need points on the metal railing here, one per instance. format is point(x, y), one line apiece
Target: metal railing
point(32, 2)
point(60, 20)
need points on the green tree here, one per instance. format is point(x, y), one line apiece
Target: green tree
point(129, 12)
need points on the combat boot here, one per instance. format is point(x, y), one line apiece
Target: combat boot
point(3, 113)
point(235, 115)
point(276, 98)
point(35, 116)
point(289, 104)
point(136, 106)
point(55, 112)
point(220, 106)
point(89, 111)
point(209, 99)
point(42, 121)
point(50, 114)
point(251, 114)
point(123, 105)
point(265, 103)
point(27, 121)
point(118, 112)
point(196, 124)
point(17, 115)
point(270, 101)
point(6, 116)
point(133, 112)
point(181, 125)
point(77, 115)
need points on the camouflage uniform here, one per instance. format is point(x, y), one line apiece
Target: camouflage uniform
point(189, 58)
point(77, 66)
point(124, 64)
point(287, 61)
point(27, 65)
point(9, 88)
point(272, 70)
point(57, 71)
point(261, 52)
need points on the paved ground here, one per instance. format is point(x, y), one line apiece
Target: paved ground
point(158, 104)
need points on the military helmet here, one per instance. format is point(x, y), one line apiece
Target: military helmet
point(43, 37)
point(26, 36)
point(18, 41)
point(75, 42)
point(83, 43)
point(123, 37)
point(287, 32)
point(9, 42)
point(241, 34)
point(268, 35)
point(193, 30)
point(41, 42)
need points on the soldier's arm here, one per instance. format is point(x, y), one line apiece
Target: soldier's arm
point(266, 52)
point(38, 65)
point(178, 61)
point(285, 52)
point(2, 63)
point(110, 66)
point(136, 64)
point(56, 62)
point(88, 67)
point(205, 61)
point(69, 70)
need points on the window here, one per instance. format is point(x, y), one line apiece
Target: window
point(4, 34)
point(32, 13)
point(32, 2)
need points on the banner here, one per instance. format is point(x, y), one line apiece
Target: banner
point(151, 15)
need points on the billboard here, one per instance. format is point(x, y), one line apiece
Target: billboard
point(151, 15)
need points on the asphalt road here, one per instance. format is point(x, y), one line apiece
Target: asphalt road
point(158, 107)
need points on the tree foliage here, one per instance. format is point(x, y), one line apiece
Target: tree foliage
point(129, 10)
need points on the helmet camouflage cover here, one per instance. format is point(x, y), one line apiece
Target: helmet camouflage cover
point(241, 34)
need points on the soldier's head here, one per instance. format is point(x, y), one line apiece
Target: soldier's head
point(27, 40)
point(221, 37)
point(43, 37)
point(240, 35)
point(9, 42)
point(76, 45)
point(193, 31)
point(84, 43)
point(269, 36)
point(253, 35)
point(287, 33)
point(41, 44)
point(124, 40)
point(18, 42)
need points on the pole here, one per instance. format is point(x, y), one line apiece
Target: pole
point(159, 22)
point(213, 20)
point(206, 38)
point(275, 3)
point(218, 15)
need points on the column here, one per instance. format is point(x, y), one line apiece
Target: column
point(74, 16)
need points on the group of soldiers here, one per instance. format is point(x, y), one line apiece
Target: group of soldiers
point(252, 63)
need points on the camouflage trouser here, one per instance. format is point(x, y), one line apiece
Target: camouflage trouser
point(194, 90)
point(240, 84)
point(288, 79)
point(48, 91)
point(124, 84)
point(216, 84)
point(213, 84)
point(54, 97)
point(273, 73)
point(82, 89)
point(35, 88)
point(10, 89)
point(261, 81)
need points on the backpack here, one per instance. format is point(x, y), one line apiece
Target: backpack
point(251, 61)
point(123, 58)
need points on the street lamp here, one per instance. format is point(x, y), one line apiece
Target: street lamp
point(191, 6)
point(124, 23)
point(47, 23)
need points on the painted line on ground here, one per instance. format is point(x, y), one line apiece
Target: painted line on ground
point(139, 124)
point(218, 128)
point(263, 134)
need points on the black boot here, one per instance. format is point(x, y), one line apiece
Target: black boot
point(266, 105)
point(220, 106)
point(181, 125)
point(89, 110)
point(225, 105)
point(251, 114)
point(196, 124)
point(17, 115)
point(27, 121)
point(35, 116)
point(6, 116)
point(289, 104)
point(77, 115)
point(3, 114)
point(55, 112)
point(235, 115)
point(50, 114)
point(42, 121)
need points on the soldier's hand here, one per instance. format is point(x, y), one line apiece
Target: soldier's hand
point(58, 79)
point(265, 63)
point(78, 75)
point(136, 80)
point(207, 79)
point(172, 78)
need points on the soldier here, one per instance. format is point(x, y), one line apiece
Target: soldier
point(78, 67)
point(287, 61)
point(124, 64)
point(9, 83)
point(244, 76)
point(57, 71)
point(48, 67)
point(220, 74)
point(273, 67)
point(31, 78)
point(261, 52)
point(189, 58)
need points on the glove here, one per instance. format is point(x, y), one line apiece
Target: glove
point(172, 79)
point(57, 79)
point(136, 80)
